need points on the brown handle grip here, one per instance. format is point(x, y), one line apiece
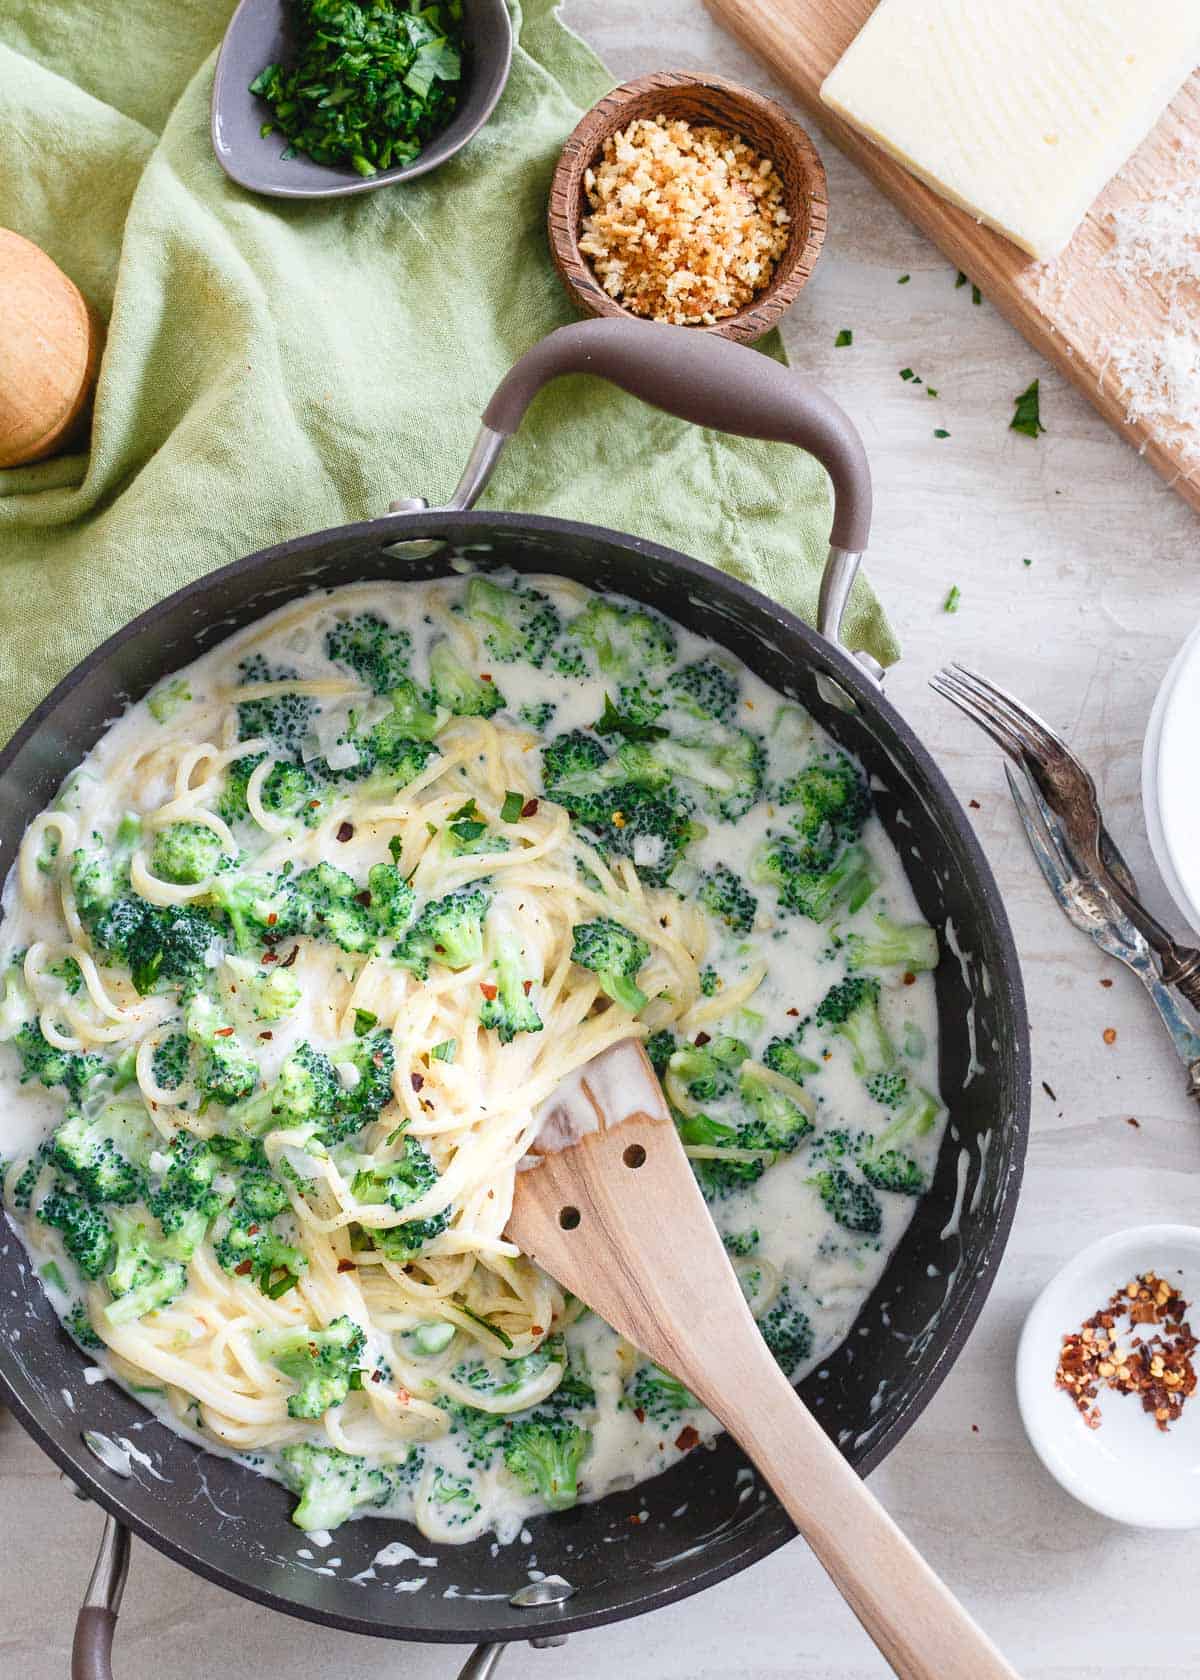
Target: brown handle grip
point(91, 1652)
point(712, 382)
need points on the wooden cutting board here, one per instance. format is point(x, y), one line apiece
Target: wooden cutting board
point(1080, 314)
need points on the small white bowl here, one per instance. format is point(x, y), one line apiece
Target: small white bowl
point(1170, 792)
point(1127, 1469)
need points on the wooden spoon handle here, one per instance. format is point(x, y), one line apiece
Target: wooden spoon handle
point(910, 1613)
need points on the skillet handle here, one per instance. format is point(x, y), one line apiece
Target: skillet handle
point(91, 1652)
point(711, 382)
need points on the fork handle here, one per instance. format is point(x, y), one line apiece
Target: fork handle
point(914, 1619)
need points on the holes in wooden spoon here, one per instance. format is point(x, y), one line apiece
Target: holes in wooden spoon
point(634, 1156)
point(568, 1218)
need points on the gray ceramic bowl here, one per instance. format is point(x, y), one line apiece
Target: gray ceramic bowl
point(260, 33)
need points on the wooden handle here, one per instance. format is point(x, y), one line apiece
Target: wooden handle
point(914, 1619)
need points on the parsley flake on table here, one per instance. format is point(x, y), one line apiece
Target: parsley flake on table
point(372, 81)
point(908, 374)
point(1026, 416)
point(950, 604)
point(904, 279)
point(844, 338)
point(940, 432)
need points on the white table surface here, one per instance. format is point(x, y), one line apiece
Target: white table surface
point(1084, 634)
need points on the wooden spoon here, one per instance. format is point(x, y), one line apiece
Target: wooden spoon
point(49, 353)
point(613, 1212)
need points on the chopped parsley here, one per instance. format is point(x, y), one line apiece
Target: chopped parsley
point(907, 374)
point(940, 432)
point(370, 83)
point(514, 804)
point(844, 338)
point(364, 1020)
point(1027, 418)
point(950, 604)
point(904, 279)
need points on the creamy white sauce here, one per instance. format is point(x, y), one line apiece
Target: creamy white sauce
point(830, 1272)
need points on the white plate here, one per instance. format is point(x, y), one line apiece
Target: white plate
point(1127, 1469)
point(1171, 785)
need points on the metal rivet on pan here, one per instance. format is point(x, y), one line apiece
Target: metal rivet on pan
point(552, 1590)
point(408, 504)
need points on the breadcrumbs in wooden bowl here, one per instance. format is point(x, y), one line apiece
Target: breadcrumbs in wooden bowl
point(688, 200)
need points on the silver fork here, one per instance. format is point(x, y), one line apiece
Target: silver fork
point(1070, 795)
point(1095, 912)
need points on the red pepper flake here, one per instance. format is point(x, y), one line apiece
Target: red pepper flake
point(687, 1438)
point(527, 986)
point(639, 1414)
point(1158, 1369)
point(269, 957)
point(252, 1231)
point(701, 1039)
point(529, 809)
point(291, 956)
point(536, 1330)
point(376, 1376)
point(417, 1081)
point(910, 979)
point(794, 1012)
point(1109, 1035)
point(974, 804)
point(244, 1269)
point(363, 898)
point(1130, 1121)
point(1106, 983)
point(974, 1429)
point(314, 804)
point(485, 676)
point(267, 1034)
point(272, 919)
point(345, 831)
point(488, 990)
point(347, 1266)
point(223, 1032)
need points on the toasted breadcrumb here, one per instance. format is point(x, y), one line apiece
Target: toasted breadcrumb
point(686, 224)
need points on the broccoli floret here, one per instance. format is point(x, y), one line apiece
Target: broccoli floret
point(388, 761)
point(628, 643)
point(660, 1047)
point(448, 931)
point(413, 717)
point(324, 1364)
point(893, 946)
point(509, 1009)
point(170, 1062)
point(544, 1454)
point(518, 623)
point(373, 1058)
point(250, 1245)
point(733, 1169)
point(834, 803)
point(851, 1010)
point(332, 1485)
point(186, 1201)
point(326, 903)
point(168, 698)
point(370, 647)
point(787, 1333)
point(257, 906)
point(625, 800)
point(288, 790)
point(142, 1277)
point(538, 714)
point(163, 946)
point(307, 1090)
point(86, 1233)
point(653, 1393)
point(724, 896)
point(185, 853)
point(741, 1243)
point(652, 833)
point(100, 877)
point(484, 1432)
point(69, 972)
point(283, 719)
point(16, 1006)
point(814, 893)
point(79, 1327)
point(405, 1242)
point(778, 1118)
point(852, 1203)
point(392, 899)
point(399, 1184)
point(40, 1060)
point(729, 766)
point(224, 1071)
point(460, 690)
point(706, 689)
point(570, 757)
point(25, 1183)
point(88, 1150)
point(264, 994)
point(615, 956)
point(709, 1071)
point(892, 1169)
point(783, 1056)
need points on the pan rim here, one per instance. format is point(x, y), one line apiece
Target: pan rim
point(438, 523)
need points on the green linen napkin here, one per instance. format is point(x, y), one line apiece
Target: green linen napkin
point(273, 368)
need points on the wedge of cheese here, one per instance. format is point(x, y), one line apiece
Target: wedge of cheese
point(1018, 111)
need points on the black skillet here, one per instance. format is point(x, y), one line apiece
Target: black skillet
point(703, 1519)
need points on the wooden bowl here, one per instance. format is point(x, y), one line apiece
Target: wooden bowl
point(49, 351)
point(761, 122)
